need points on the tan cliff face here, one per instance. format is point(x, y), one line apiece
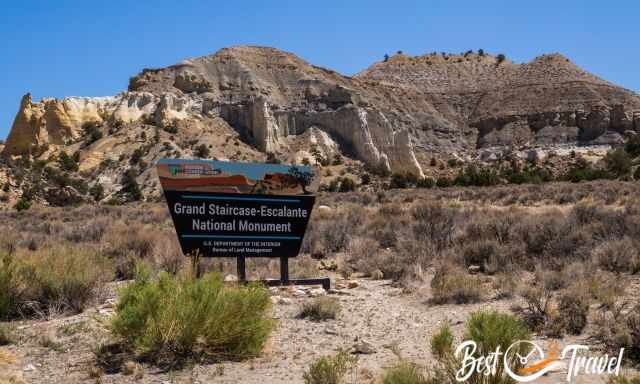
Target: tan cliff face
point(244, 102)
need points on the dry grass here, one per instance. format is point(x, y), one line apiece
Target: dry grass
point(320, 308)
point(585, 237)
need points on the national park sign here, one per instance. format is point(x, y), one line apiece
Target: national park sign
point(230, 209)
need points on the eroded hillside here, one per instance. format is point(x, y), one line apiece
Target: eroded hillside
point(257, 103)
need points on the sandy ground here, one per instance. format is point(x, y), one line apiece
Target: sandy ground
point(60, 350)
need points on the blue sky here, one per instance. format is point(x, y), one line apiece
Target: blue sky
point(91, 48)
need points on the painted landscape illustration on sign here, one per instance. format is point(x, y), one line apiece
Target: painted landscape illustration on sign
point(234, 177)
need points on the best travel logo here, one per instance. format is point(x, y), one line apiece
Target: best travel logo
point(525, 361)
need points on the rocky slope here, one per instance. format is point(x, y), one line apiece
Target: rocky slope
point(250, 103)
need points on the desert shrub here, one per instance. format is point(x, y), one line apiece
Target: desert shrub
point(527, 175)
point(451, 284)
point(172, 318)
point(320, 308)
point(489, 330)
point(620, 379)
point(404, 372)
point(602, 287)
point(335, 234)
point(632, 146)
point(6, 336)
point(90, 231)
point(472, 176)
point(97, 192)
point(619, 327)
point(506, 285)
point(361, 255)
point(500, 58)
point(9, 285)
point(443, 182)
point(64, 277)
point(202, 151)
point(481, 253)
point(23, 204)
point(618, 255)
point(384, 230)
point(537, 313)
point(549, 279)
point(50, 279)
point(426, 182)
point(127, 245)
point(398, 180)
point(92, 131)
point(618, 162)
point(585, 172)
point(442, 342)
point(67, 163)
point(347, 185)
point(130, 185)
point(330, 369)
point(434, 223)
point(573, 309)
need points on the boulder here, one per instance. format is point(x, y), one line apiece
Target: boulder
point(593, 124)
point(364, 347)
point(188, 82)
point(620, 120)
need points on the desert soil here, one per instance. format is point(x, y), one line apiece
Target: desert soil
point(386, 319)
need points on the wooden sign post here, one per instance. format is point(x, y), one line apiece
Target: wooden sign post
point(229, 209)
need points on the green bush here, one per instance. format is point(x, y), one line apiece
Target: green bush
point(442, 341)
point(92, 131)
point(632, 147)
point(320, 308)
point(443, 182)
point(426, 182)
point(97, 192)
point(23, 204)
point(489, 330)
point(172, 318)
point(527, 175)
point(585, 172)
point(618, 162)
point(330, 369)
point(615, 379)
point(404, 373)
point(472, 176)
point(399, 180)
point(68, 163)
point(130, 185)
point(347, 185)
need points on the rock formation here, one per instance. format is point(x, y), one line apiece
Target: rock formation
point(393, 116)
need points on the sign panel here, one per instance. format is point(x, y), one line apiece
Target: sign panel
point(231, 209)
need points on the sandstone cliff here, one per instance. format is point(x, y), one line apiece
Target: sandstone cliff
point(247, 103)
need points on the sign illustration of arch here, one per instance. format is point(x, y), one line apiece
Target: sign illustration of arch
point(231, 209)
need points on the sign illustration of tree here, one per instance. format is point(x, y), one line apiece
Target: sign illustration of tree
point(303, 177)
